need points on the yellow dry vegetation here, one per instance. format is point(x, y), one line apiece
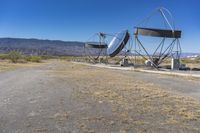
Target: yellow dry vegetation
point(6, 65)
point(135, 104)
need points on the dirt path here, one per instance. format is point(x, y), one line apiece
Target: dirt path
point(63, 97)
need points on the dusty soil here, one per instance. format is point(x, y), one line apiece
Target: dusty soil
point(65, 97)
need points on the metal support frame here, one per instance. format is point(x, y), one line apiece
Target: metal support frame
point(95, 58)
point(163, 54)
point(172, 50)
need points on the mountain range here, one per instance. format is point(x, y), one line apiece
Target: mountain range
point(41, 47)
point(49, 47)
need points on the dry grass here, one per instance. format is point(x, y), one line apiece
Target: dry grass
point(136, 105)
point(193, 65)
point(6, 65)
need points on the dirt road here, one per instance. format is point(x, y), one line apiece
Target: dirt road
point(64, 97)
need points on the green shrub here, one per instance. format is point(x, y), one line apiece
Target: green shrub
point(47, 57)
point(33, 58)
point(14, 56)
point(3, 56)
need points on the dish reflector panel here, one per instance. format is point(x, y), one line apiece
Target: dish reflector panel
point(118, 43)
point(96, 45)
point(157, 32)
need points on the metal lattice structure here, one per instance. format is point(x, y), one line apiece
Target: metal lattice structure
point(95, 48)
point(163, 50)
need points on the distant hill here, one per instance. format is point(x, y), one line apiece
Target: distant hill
point(189, 54)
point(41, 47)
point(49, 47)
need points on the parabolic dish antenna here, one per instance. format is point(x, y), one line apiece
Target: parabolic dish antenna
point(118, 43)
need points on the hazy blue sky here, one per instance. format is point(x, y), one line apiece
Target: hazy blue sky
point(79, 19)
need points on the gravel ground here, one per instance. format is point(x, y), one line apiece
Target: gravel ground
point(64, 97)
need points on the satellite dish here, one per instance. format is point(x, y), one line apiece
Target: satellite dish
point(118, 43)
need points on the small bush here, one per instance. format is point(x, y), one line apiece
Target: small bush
point(46, 57)
point(33, 58)
point(14, 56)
